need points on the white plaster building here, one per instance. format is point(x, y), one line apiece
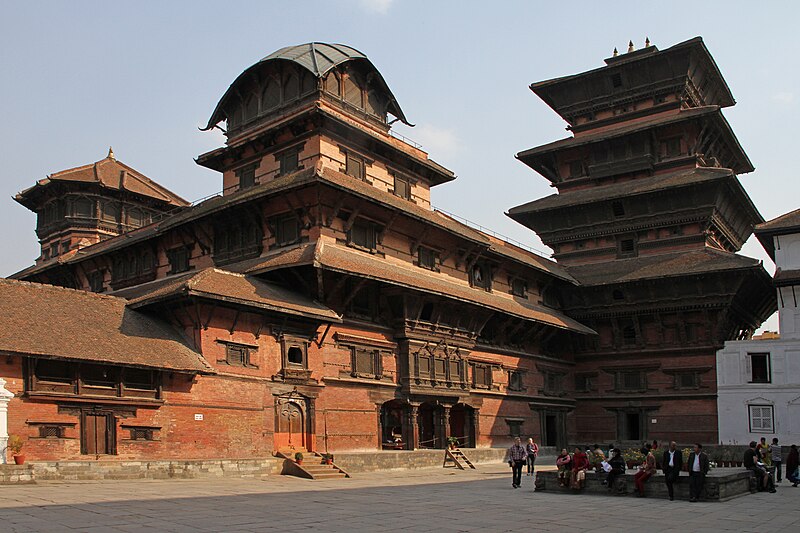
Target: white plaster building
point(759, 380)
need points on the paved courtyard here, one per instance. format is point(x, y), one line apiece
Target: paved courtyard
point(419, 500)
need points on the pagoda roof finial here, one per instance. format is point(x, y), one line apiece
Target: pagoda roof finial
point(616, 53)
point(631, 48)
point(646, 42)
point(111, 153)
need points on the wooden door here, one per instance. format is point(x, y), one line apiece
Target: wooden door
point(291, 425)
point(97, 433)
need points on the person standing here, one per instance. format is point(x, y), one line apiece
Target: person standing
point(532, 449)
point(777, 459)
point(647, 470)
point(516, 460)
point(792, 465)
point(671, 464)
point(698, 468)
point(752, 463)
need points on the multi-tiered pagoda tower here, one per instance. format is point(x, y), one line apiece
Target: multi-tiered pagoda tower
point(648, 217)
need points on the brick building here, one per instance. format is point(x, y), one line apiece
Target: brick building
point(320, 302)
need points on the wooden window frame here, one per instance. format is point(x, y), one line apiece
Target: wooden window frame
point(96, 280)
point(518, 376)
point(621, 386)
point(246, 176)
point(768, 366)
point(428, 258)
point(176, 263)
point(371, 234)
point(355, 166)
point(399, 178)
point(289, 342)
point(679, 384)
point(486, 276)
point(281, 224)
point(515, 290)
point(487, 370)
point(375, 371)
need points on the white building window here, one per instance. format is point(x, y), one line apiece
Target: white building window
point(759, 368)
point(761, 419)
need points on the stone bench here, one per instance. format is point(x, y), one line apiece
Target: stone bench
point(721, 484)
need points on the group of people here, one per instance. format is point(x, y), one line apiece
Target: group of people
point(519, 456)
point(572, 468)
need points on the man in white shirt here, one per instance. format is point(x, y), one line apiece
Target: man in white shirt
point(698, 468)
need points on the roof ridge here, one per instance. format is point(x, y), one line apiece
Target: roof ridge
point(47, 286)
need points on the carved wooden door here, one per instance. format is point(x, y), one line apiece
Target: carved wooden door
point(291, 423)
point(97, 433)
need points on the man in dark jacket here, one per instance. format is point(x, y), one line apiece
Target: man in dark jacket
point(671, 464)
point(698, 468)
point(752, 462)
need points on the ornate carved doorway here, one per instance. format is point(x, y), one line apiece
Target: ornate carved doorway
point(428, 427)
point(292, 422)
point(462, 425)
point(98, 433)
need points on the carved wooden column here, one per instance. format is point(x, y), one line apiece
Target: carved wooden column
point(380, 426)
point(312, 424)
point(446, 423)
point(5, 397)
point(414, 442)
point(476, 416)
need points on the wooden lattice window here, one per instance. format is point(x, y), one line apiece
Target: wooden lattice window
point(246, 176)
point(363, 234)
point(631, 380)
point(427, 258)
point(519, 287)
point(402, 187)
point(355, 166)
point(289, 162)
point(481, 376)
point(515, 380)
point(686, 380)
point(141, 434)
point(48, 431)
point(365, 362)
point(178, 259)
point(237, 354)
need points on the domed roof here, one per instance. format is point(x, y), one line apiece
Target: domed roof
point(318, 59)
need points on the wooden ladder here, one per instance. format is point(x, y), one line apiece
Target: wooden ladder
point(457, 457)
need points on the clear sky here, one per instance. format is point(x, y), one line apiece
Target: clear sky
point(78, 76)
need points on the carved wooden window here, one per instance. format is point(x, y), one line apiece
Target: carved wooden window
point(246, 176)
point(95, 280)
point(178, 259)
point(427, 258)
point(134, 267)
point(54, 249)
point(402, 187)
point(111, 212)
point(515, 380)
point(237, 354)
point(480, 276)
point(363, 234)
point(553, 383)
point(355, 166)
point(630, 380)
point(294, 353)
point(83, 208)
point(672, 147)
point(291, 87)
point(365, 362)
point(237, 240)
point(761, 419)
point(584, 383)
point(576, 168)
point(618, 209)
point(100, 376)
point(616, 80)
point(686, 380)
point(289, 162)
point(51, 431)
point(481, 376)
point(141, 434)
point(271, 96)
point(629, 335)
point(519, 287)
point(54, 371)
point(759, 367)
point(439, 369)
point(139, 379)
point(287, 230)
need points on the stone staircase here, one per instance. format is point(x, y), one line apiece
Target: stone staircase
point(312, 466)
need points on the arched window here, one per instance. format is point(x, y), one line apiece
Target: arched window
point(251, 108)
point(291, 87)
point(352, 91)
point(111, 212)
point(375, 105)
point(332, 84)
point(82, 208)
point(235, 117)
point(309, 83)
point(271, 97)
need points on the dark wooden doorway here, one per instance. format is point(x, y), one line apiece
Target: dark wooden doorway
point(462, 425)
point(551, 430)
point(291, 426)
point(427, 426)
point(98, 433)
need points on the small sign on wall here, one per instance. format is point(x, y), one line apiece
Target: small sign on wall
point(198, 416)
point(652, 420)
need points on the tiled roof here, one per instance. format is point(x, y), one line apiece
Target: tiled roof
point(343, 259)
point(660, 266)
point(622, 190)
point(49, 321)
point(236, 289)
point(110, 174)
point(623, 129)
point(788, 221)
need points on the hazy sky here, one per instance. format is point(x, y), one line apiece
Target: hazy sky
point(79, 76)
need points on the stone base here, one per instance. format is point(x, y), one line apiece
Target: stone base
point(721, 484)
point(351, 462)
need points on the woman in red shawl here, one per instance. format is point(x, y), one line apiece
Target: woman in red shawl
point(648, 468)
point(564, 464)
point(580, 463)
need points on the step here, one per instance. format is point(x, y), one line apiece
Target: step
point(330, 475)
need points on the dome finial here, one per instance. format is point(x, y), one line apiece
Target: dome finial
point(631, 48)
point(646, 42)
point(616, 53)
point(111, 153)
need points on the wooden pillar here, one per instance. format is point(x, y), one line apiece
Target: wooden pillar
point(378, 411)
point(414, 442)
point(446, 428)
point(312, 425)
point(476, 426)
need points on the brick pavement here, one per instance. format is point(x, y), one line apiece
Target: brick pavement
point(418, 500)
